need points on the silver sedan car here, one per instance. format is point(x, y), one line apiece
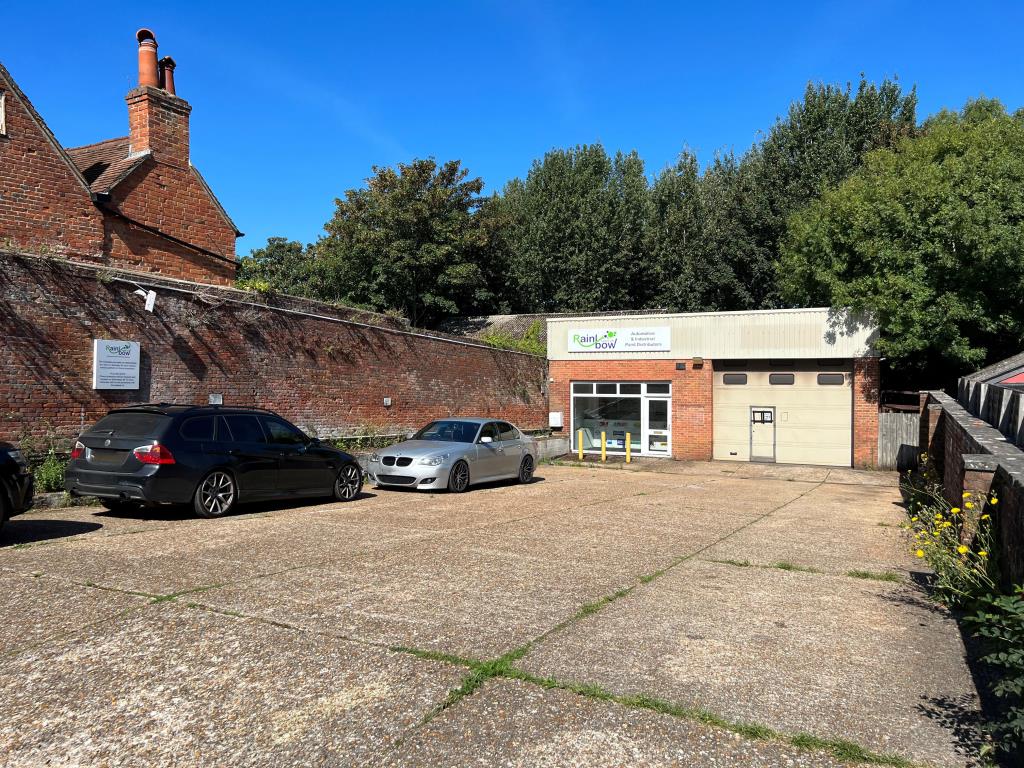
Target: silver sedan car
point(455, 453)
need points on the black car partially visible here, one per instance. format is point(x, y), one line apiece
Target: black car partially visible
point(212, 457)
point(16, 483)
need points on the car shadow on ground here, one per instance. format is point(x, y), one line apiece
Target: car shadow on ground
point(29, 531)
point(480, 487)
point(174, 512)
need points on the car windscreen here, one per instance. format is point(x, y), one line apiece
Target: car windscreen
point(449, 431)
point(131, 424)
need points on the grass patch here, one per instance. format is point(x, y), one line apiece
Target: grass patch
point(875, 576)
point(839, 748)
point(419, 653)
point(787, 566)
point(729, 561)
point(848, 751)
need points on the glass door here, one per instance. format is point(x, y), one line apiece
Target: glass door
point(657, 428)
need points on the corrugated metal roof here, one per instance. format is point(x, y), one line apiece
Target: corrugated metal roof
point(818, 332)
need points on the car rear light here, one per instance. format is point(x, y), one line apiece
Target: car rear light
point(78, 451)
point(153, 454)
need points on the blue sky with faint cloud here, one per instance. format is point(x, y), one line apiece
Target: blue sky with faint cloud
point(295, 103)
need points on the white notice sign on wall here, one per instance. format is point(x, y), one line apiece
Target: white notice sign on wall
point(115, 364)
point(656, 338)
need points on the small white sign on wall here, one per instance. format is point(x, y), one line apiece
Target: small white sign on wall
point(115, 364)
point(655, 338)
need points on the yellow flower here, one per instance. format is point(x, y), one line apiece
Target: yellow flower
point(967, 494)
point(920, 553)
point(947, 524)
point(962, 549)
point(993, 501)
point(982, 553)
point(969, 505)
point(938, 515)
point(913, 519)
point(935, 533)
point(985, 517)
point(955, 511)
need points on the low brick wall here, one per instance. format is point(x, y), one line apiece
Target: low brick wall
point(325, 368)
point(970, 454)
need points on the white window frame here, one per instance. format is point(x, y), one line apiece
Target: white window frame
point(642, 396)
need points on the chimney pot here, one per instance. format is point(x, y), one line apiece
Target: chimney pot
point(148, 71)
point(167, 74)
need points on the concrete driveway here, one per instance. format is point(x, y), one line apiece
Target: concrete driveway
point(699, 614)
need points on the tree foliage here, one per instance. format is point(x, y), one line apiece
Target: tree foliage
point(282, 265)
point(929, 238)
point(844, 201)
point(409, 242)
point(575, 231)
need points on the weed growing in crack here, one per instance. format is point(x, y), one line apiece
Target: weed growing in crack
point(875, 576)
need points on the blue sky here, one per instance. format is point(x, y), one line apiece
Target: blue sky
point(294, 103)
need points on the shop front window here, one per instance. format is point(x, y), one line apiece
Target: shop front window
point(633, 411)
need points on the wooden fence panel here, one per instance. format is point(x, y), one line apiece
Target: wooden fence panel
point(898, 440)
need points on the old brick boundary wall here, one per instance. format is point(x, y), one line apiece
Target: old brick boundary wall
point(325, 368)
point(970, 454)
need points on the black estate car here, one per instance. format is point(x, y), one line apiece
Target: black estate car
point(16, 483)
point(208, 455)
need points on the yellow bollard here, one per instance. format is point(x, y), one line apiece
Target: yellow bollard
point(627, 446)
point(579, 443)
point(602, 445)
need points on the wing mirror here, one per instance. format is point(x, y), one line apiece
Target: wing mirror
point(486, 439)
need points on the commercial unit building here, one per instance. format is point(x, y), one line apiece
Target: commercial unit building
point(797, 386)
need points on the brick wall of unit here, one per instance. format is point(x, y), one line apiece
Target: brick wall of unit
point(328, 374)
point(969, 454)
point(691, 395)
point(44, 206)
point(866, 381)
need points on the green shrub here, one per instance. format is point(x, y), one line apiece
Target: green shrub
point(529, 342)
point(1000, 622)
point(50, 473)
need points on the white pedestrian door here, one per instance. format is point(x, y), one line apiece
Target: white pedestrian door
point(657, 435)
point(762, 433)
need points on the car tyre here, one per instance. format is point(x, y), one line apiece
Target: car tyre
point(458, 478)
point(216, 495)
point(349, 483)
point(526, 468)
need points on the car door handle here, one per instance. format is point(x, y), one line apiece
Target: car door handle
point(233, 451)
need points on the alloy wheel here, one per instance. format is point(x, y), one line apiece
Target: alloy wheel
point(217, 494)
point(526, 470)
point(349, 482)
point(460, 477)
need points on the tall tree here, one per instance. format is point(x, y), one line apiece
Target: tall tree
point(823, 138)
point(409, 242)
point(577, 226)
point(929, 238)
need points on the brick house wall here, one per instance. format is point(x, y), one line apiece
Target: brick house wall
point(170, 198)
point(44, 204)
point(692, 417)
point(325, 372)
point(135, 202)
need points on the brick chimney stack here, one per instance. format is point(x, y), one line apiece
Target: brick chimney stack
point(157, 118)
